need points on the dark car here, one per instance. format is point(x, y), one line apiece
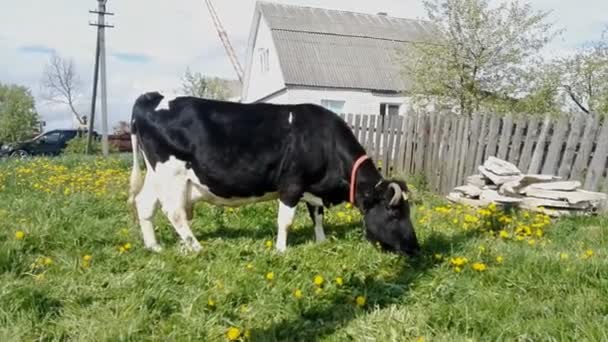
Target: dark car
point(50, 143)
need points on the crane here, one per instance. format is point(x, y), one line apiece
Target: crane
point(224, 38)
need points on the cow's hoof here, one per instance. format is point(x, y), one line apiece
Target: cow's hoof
point(155, 248)
point(189, 248)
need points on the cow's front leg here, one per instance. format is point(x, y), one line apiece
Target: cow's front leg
point(316, 215)
point(285, 219)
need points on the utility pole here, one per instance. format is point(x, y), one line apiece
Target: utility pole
point(100, 65)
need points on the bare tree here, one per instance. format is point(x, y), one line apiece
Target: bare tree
point(61, 84)
point(122, 127)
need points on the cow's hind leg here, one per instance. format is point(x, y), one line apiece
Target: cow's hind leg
point(145, 205)
point(178, 208)
point(316, 214)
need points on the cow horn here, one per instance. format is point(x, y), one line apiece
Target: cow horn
point(395, 200)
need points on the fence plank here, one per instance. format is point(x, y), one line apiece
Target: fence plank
point(571, 145)
point(435, 173)
point(441, 157)
point(598, 164)
point(451, 155)
point(555, 147)
point(526, 152)
point(419, 144)
point(456, 151)
point(389, 154)
point(400, 145)
point(358, 127)
point(409, 148)
point(505, 137)
point(582, 157)
point(435, 137)
point(462, 156)
point(473, 142)
point(492, 138)
point(377, 138)
point(482, 142)
point(515, 150)
point(364, 130)
point(539, 151)
point(429, 145)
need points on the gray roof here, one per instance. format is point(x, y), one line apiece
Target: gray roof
point(337, 49)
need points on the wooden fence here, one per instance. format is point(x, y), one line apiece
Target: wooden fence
point(447, 148)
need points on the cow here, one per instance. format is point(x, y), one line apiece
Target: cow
point(231, 154)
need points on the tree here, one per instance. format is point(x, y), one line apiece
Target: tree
point(477, 55)
point(122, 127)
point(195, 84)
point(18, 116)
point(585, 75)
point(61, 85)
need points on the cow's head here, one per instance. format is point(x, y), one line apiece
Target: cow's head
point(387, 218)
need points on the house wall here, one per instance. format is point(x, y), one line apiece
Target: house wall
point(355, 101)
point(261, 83)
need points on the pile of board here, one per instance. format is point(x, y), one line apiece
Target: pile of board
point(502, 183)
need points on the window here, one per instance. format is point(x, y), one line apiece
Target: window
point(335, 106)
point(51, 138)
point(264, 57)
point(389, 109)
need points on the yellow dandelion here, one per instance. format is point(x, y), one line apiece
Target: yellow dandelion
point(210, 303)
point(121, 249)
point(233, 334)
point(318, 280)
point(479, 266)
point(19, 235)
point(531, 242)
point(339, 281)
point(87, 258)
point(504, 234)
point(564, 256)
point(588, 254)
point(249, 266)
point(457, 269)
point(47, 261)
point(298, 294)
point(458, 261)
point(270, 276)
point(268, 244)
point(360, 301)
point(348, 206)
point(127, 246)
point(420, 339)
point(500, 259)
point(318, 290)
point(539, 232)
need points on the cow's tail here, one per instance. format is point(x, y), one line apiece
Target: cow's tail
point(144, 104)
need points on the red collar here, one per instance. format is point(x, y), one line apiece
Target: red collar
point(353, 176)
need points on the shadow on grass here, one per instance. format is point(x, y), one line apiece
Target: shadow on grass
point(321, 321)
point(269, 231)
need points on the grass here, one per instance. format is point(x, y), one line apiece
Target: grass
point(550, 281)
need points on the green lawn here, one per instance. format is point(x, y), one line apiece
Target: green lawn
point(484, 275)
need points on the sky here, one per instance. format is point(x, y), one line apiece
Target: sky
point(153, 42)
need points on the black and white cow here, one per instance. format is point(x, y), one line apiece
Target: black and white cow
point(230, 154)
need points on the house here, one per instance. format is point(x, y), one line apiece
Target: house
point(347, 62)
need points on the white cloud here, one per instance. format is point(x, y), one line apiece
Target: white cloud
point(169, 36)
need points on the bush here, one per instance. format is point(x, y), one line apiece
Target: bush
point(78, 145)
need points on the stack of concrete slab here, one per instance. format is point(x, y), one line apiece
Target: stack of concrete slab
point(502, 183)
